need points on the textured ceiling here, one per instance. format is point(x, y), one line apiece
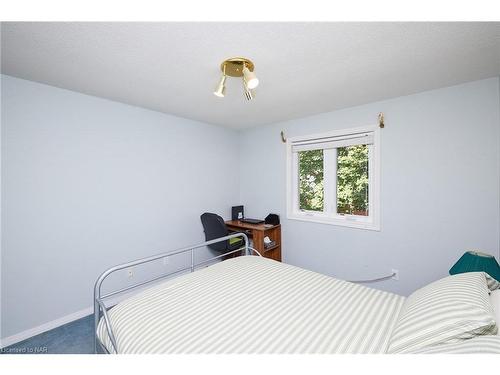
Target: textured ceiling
point(303, 68)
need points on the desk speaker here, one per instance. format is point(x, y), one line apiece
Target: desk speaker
point(273, 219)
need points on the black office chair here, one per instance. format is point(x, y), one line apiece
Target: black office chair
point(215, 227)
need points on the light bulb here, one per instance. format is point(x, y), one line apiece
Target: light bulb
point(220, 90)
point(250, 78)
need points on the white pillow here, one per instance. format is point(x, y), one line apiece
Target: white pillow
point(495, 303)
point(455, 308)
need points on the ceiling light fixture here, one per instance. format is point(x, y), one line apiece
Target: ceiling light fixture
point(238, 67)
point(220, 90)
point(249, 93)
point(250, 78)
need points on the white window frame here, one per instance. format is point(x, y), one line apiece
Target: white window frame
point(330, 215)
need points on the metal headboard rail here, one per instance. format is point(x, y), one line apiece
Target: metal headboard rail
point(100, 307)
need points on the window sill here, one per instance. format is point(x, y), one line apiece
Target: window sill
point(359, 224)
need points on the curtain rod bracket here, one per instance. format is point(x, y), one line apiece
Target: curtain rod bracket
point(381, 123)
point(283, 139)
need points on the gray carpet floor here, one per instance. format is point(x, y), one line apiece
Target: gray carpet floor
point(73, 338)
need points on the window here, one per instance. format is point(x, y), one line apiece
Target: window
point(333, 178)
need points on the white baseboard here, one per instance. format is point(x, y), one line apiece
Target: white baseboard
point(7, 341)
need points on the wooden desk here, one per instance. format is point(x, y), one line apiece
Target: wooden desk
point(258, 232)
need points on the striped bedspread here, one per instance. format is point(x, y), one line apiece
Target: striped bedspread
point(486, 344)
point(254, 305)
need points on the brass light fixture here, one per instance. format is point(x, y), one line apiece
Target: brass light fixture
point(220, 90)
point(238, 67)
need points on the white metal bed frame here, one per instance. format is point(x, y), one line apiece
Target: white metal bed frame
point(100, 307)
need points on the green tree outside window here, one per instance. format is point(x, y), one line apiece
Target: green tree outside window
point(352, 180)
point(311, 180)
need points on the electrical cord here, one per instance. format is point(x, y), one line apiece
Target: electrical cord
point(373, 280)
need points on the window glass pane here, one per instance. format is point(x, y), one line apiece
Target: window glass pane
point(352, 180)
point(311, 180)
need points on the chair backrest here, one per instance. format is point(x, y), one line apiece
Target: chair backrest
point(214, 227)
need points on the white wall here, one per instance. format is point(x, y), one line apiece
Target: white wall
point(88, 183)
point(439, 186)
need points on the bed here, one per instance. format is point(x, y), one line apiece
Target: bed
point(250, 304)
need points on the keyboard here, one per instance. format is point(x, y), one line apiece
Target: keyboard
point(252, 221)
